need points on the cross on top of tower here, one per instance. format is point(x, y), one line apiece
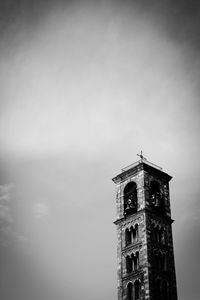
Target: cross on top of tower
point(141, 156)
point(142, 160)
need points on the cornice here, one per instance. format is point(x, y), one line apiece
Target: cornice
point(139, 167)
point(133, 248)
point(131, 218)
point(134, 275)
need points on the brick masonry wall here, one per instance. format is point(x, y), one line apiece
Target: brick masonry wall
point(154, 247)
point(146, 218)
point(140, 246)
point(123, 251)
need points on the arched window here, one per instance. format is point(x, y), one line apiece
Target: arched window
point(131, 235)
point(137, 288)
point(163, 262)
point(129, 267)
point(128, 236)
point(160, 261)
point(157, 262)
point(157, 234)
point(136, 261)
point(132, 261)
point(160, 235)
point(135, 234)
point(158, 290)
point(130, 198)
point(165, 290)
point(130, 291)
point(153, 233)
point(155, 194)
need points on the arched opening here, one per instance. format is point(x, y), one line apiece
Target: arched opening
point(135, 234)
point(158, 289)
point(165, 291)
point(130, 291)
point(153, 233)
point(155, 194)
point(160, 236)
point(130, 198)
point(136, 261)
point(133, 263)
point(157, 234)
point(160, 263)
point(157, 263)
point(137, 290)
point(163, 262)
point(128, 236)
point(129, 267)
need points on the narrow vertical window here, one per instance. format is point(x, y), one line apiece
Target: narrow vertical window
point(156, 261)
point(137, 289)
point(165, 291)
point(160, 236)
point(155, 194)
point(135, 234)
point(157, 234)
point(137, 260)
point(163, 262)
point(158, 290)
point(129, 264)
point(153, 233)
point(127, 237)
point(133, 261)
point(163, 237)
point(130, 291)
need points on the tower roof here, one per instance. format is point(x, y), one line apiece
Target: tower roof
point(139, 165)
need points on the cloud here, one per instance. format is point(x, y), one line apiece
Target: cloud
point(8, 234)
point(40, 210)
point(6, 220)
point(76, 88)
point(89, 88)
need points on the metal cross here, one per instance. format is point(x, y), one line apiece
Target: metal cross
point(141, 156)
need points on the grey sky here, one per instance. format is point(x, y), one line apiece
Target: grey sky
point(85, 85)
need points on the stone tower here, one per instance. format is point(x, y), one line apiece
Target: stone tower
point(146, 268)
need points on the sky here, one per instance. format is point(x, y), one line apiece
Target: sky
point(84, 86)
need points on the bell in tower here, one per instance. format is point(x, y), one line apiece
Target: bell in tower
point(146, 268)
point(130, 198)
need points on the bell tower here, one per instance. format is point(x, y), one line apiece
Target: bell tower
point(145, 254)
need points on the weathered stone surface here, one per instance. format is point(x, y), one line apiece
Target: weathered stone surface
point(154, 242)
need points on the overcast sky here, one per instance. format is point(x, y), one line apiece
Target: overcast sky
point(84, 86)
